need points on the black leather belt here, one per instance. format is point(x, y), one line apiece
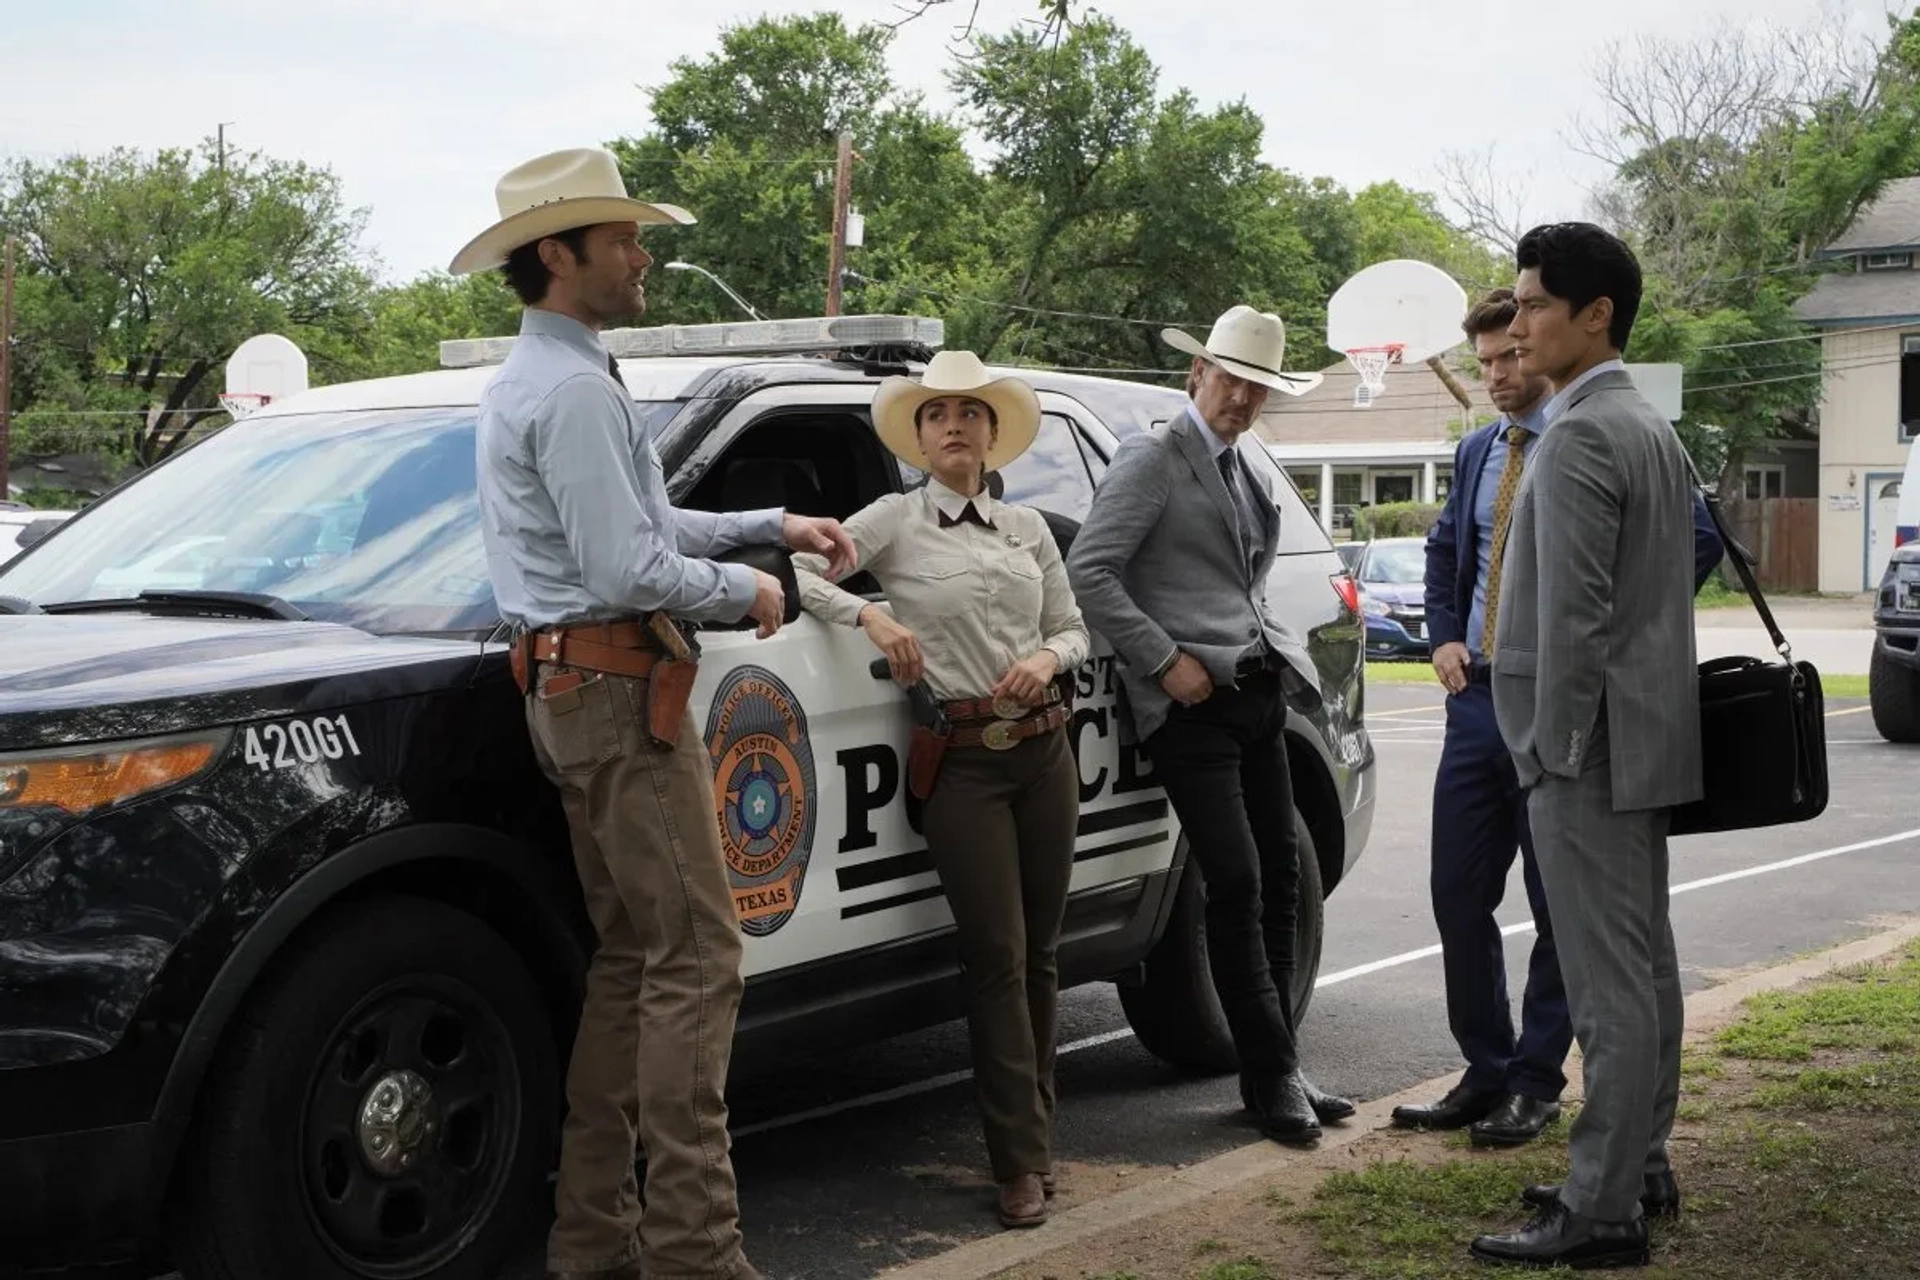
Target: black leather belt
point(1479, 673)
point(1260, 664)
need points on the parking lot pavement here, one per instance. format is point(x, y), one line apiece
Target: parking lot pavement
point(853, 1163)
point(1835, 635)
point(850, 1164)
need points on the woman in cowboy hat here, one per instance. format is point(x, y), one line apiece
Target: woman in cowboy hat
point(979, 608)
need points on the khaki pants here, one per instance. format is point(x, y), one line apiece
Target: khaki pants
point(1000, 826)
point(663, 991)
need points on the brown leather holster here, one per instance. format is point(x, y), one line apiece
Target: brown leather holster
point(925, 750)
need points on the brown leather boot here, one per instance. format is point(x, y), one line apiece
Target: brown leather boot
point(1023, 1201)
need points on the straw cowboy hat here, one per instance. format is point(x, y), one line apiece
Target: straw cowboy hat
point(555, 193)
point(1248, 344)
point(1016, 409)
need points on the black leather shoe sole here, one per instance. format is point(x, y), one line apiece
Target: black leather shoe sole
point(1632, 1256)
point(1481, 1135)
point(1421, 1118)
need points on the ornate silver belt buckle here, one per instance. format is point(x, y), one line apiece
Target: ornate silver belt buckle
point(998, 736)
point(1007, 707)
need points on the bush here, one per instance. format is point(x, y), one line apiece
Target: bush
point(1395, 520)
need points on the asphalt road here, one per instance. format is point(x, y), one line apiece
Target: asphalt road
point(851, 1164)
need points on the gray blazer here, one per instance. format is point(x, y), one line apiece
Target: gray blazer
point(1157, 566)
point(1596, 602)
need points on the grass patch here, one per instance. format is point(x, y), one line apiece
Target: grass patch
point(1245, 1269)
point(1796, 1130)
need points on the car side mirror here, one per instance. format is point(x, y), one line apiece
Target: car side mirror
point(36, 531)
point(767, 558)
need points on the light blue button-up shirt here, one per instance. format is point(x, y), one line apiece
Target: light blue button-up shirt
point(1483, 501)
point(573, 499)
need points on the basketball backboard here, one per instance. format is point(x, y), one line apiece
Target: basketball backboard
point(1402, 311)
point(266, 365)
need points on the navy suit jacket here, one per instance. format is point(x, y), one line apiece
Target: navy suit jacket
point(1453, 544)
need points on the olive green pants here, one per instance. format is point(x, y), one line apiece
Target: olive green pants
point(1001, 827)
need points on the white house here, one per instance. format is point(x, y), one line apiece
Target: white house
point(1869, 315)
point(1398, 450)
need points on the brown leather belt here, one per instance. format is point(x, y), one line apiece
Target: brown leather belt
point(1002, 735)
point(965, 709)
point(616, 648)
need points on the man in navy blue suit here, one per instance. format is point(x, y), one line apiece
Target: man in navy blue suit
point(1511, 1089)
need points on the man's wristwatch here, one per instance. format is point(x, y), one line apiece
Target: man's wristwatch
point(1161, 670)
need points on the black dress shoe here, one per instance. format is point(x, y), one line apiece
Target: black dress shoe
point(1558, 1238)
point(1515, 1122)
point(1659, 1195)
point(1281, 1107)
point(1326, 1106)
point(1460, 1108)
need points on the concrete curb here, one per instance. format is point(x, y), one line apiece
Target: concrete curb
point(1707, 1011)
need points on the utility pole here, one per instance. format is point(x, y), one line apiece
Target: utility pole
point(6, 365)
point(842, 194)
point(220, 159)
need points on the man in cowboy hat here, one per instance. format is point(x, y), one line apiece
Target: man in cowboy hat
point(596, 571)
point(1171, 566)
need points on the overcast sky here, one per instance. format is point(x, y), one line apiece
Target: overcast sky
point(420, 105)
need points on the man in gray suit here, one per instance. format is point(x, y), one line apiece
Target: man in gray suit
point(1171, 567)
point(1596, 694)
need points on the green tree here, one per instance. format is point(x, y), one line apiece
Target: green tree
point(410, 321)
point(142, 273)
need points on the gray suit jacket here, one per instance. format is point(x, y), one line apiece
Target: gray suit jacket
point(1596, 602)
point(1157, 566)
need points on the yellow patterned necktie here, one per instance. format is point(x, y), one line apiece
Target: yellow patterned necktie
point(1517, 438)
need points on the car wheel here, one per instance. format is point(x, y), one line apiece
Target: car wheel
point(385, 1107)
point(1175, 1011)
point(1894, 689)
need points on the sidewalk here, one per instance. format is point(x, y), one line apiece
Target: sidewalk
point(1375, 1201)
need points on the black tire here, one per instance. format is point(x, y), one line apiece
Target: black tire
point(1175, 1012)
point(279, 1178)
point(1894, 689)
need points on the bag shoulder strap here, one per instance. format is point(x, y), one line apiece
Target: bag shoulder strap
point(1743, 562)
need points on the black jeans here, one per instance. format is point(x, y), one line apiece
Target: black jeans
point(1224, 765)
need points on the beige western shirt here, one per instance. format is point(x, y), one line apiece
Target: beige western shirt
point(979, 599)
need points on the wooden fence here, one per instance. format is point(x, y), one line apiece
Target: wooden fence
point(1785, 534)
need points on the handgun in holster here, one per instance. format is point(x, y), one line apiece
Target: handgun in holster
point(670, 683)
point(931, 729)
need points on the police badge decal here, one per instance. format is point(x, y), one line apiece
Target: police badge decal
point(763, 790)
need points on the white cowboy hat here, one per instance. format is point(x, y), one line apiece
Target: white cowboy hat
point(1248, 344)
point(555, 193)
point(1016, 409)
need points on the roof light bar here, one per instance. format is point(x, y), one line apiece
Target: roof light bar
point(746, 337)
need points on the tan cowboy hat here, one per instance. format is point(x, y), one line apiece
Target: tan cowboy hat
point(1016, 409)
point(555, 193)
point(1248, 344)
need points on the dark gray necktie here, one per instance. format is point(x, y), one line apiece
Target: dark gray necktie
point(1252, 538)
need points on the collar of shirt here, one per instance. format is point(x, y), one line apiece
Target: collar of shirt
point(950, 504)
point(1558, 404)
point(564, 329)
point(1215, 445)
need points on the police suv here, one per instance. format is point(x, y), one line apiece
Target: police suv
point(290, 943)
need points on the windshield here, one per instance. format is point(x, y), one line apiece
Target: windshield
point(368, 519)
point(1396, 563)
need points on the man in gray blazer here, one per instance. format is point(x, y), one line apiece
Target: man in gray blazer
point(1171, 567)
point(1595, 690)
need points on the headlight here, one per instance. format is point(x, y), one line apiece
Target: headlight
point(80, 780)
point(1377, 607)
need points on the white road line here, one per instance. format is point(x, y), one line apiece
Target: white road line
point(1325, 980)
point(1849, 711)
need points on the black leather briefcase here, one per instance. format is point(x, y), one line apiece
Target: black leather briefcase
point(1763, 729)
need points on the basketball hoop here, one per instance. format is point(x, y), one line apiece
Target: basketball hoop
point(1372, 362)
point(239, 404)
